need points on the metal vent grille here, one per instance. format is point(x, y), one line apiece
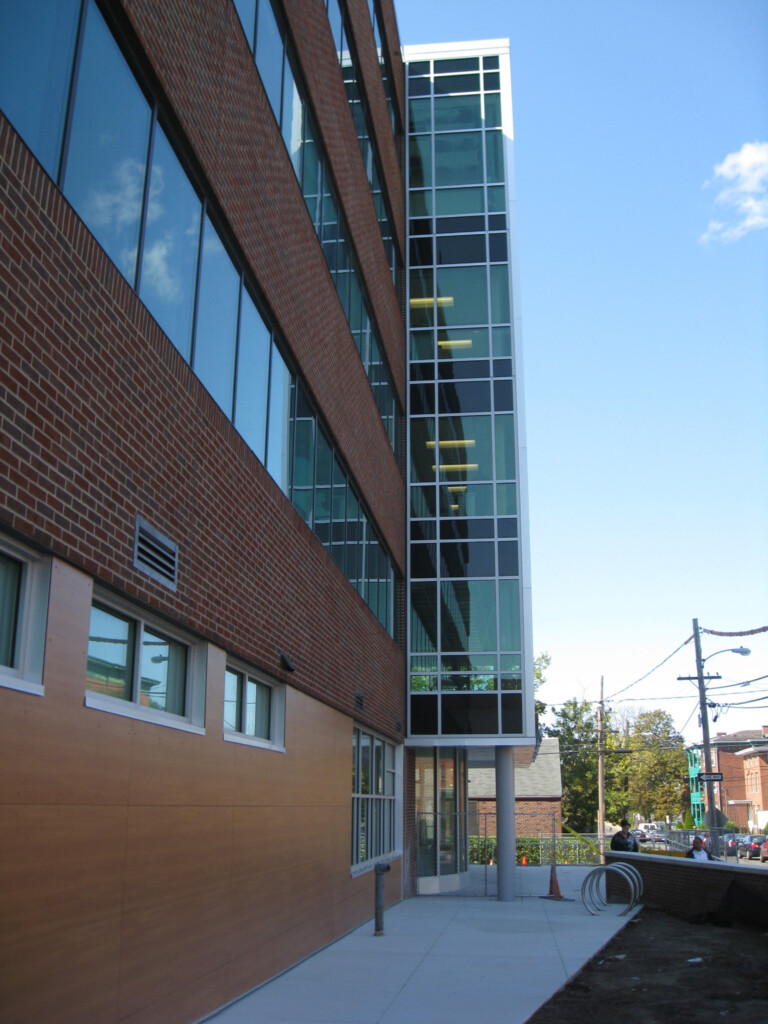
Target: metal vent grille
point(155, 555)
point(359, 700)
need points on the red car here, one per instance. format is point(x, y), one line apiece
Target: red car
point(764, 852)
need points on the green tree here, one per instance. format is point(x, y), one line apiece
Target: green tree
point(576, 728)
point(540, 665)
point(657, 769)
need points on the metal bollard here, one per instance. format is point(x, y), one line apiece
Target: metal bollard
point(380, 870)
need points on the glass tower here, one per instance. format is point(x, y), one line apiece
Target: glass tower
point(470, 660)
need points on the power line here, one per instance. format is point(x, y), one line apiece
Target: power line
point(682, 645)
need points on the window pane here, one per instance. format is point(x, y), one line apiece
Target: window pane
point(419, 115)
point(104, 176)
point(163, 673)
point(468, 615)
point(252, 382)
point(458, 158)
point(420, 161)
point(37, 42)
point(216, 330)
point(505, 447)
point(365, 763)
point(171, 242)
point(257, 709)
point(453, 202)
point(10, 594)
point(495, 155)
point(292, 121)
point(453, 112)
point(462, 343)
point(269, 55)
point(246, 10)
point(500, 308)
point(233, 683)
point(462, 296)
point(278, 434)
point(470, 714)
point(465, 448)
point(110, 654)
point(509, 615)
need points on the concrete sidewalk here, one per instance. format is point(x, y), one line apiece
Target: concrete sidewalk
point(441, 960)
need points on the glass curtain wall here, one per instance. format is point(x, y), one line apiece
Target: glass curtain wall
point(441, 811)
point(464, 592)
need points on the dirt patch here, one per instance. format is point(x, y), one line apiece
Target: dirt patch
point(662, 970)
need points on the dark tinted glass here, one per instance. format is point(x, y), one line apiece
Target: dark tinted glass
point(423, 529)
point(421, 252)
point(216, 328)
point(419, 87)
point(468, 561)
point(455, 369)
point(507, 527)
point(466, 529)
point(419, 67)
point(497, 248)
point(424, 561)
point(465, 397)
point(470, 714)
point(460, 249)
point(492, 82)
point(490, 63)
point(502, 395)
point(508, 559)
point(453, 64)
point(252, 378)
point(421, 226)
point(423, 371)
point(453, 225)
point(497, 222)
point(422, 399)
point(424, 714)
point(511, 713)
point(502, 367)
point(37, 44)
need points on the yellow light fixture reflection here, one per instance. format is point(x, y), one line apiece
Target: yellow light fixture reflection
point(457, 467)
point(459, 343)
point(452, 444)
point(456, 488)
point(425, 303)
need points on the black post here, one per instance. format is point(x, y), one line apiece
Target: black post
point(380, 870)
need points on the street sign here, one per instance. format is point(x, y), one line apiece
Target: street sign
point(710, 776)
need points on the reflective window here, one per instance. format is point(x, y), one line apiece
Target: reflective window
point(216, 329)
point(10, 595)
point(171, 241)
point(252, 378)
point(278, 431)
point(458, 158)
point(468, 615)
point(457, 112)
point(464, 295)
point(105, 168)
point(246, 11)
point(247, 705)
point(37, 46)
point(269, 55)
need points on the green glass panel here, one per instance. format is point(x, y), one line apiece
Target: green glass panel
point(422, 345)
point(420, 203)
point(493, 110)
point(465, 451)
point(494, 148)
point(423, 618)
point(303, 453)
point(423, 502)
point(422, 663)
point(462, 343)
point(462, 296)
point(457, 112)
point(422, 450)
point(505, 447)
point(468, 615)
point(419, 115)
point(497, 199)
point(420, 161)
point(453, 202)
point(502, 342)
point(463, 500)
point(500, 306)
point(509, 615)
point(506, 499)
point(10, 595)
point(422, 298)
point(459, 158)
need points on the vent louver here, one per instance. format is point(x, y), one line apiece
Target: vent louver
point(155, 555)
point(359, 700)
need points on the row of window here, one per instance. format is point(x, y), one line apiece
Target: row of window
point(274, 60)
point(456, 158)
point(132, 191)
point(337, 15)
point(476, 617)
point(142, 668)
point(385, 66)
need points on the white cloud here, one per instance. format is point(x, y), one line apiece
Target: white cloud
point(743, 178)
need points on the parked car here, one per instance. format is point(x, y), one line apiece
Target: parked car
point(639, 835)
point(730, 844)
point(764, 852)
point(751, 849)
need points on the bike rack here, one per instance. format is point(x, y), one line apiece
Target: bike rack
point(593, 899)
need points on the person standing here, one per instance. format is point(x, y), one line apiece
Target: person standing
point(623, 839)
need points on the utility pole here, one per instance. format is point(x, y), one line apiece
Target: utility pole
point(600, 777)
point(711, 819)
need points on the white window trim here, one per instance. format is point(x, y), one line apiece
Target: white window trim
point(276, 739)
point(197, 662)
point(27, 674)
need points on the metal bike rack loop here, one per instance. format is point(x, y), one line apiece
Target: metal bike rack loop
point(593, 899)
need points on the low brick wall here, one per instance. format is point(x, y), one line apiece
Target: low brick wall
point(694, 890)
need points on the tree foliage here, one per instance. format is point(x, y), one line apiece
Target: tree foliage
point(576, 728)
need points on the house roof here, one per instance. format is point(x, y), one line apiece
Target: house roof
point(540, 780)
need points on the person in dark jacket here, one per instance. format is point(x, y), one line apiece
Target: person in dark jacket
point(622, 840)
point(697, 851)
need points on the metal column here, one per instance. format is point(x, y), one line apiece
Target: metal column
point(505, 822)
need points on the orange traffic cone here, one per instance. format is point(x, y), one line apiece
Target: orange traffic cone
point(525, 860)
point(554, 885)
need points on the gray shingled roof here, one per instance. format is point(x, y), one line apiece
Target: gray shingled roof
point(540, 780)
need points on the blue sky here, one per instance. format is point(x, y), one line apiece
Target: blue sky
point(641, 167)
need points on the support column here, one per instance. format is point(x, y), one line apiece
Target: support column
point(505, 822)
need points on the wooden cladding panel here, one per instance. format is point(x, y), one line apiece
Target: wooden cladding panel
point(151, 875)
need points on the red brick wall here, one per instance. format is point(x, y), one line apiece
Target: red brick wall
point(532, 817)
point(101, 419)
